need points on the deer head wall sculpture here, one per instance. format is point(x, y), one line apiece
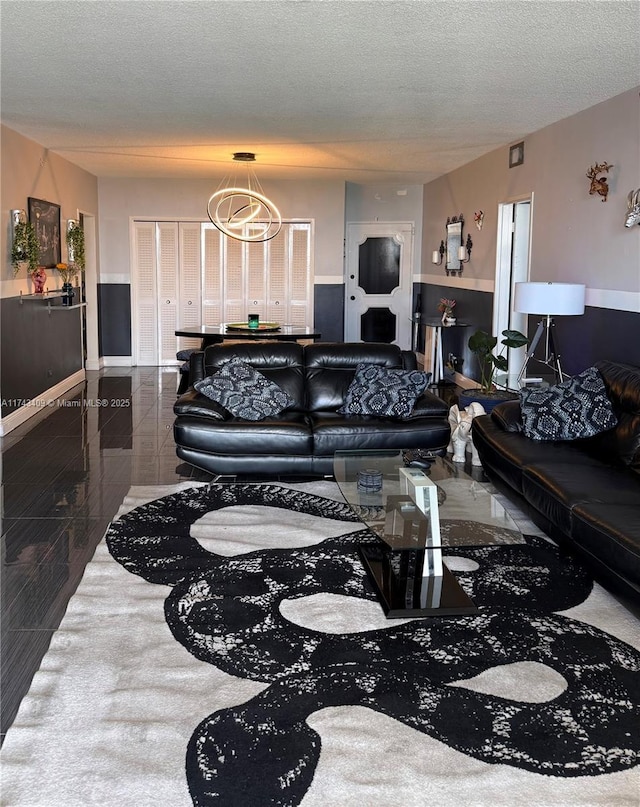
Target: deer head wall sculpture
point(633, 209)
point(599, 184)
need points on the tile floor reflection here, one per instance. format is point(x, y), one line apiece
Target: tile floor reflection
point(64, 474)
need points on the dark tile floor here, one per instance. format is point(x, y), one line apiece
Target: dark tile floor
point(64, 474)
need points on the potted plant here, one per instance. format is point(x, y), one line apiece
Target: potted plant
point(75, 246)
point(68, 271)
point(25, 247)
point(482, 345)
point(445, 307)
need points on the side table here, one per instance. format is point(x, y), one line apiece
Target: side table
point(433, 347)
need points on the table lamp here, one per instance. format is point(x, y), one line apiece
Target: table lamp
point(549, 300)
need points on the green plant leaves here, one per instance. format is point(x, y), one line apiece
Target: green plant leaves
point(481, 343)
point(514, 339)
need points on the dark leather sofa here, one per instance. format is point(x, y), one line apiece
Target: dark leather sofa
point(584, 493)
point(302, 439)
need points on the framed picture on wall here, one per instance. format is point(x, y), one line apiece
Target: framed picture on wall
point(45, 217)
point(516, 155)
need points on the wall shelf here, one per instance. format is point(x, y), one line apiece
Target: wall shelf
point(51, 295)
point(47, 297)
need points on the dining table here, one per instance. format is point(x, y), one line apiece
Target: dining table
point(216, 334)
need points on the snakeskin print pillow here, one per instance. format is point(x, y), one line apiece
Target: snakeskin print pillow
point(244, 391)
point(386, 393)
point(575, 409)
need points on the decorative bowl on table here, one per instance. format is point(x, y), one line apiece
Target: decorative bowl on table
point(244, 326)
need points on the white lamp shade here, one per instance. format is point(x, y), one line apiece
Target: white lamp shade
point(563, 299)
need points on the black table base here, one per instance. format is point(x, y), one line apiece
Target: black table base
point(403, 592)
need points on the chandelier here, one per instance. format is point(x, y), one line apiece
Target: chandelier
point(244, 213)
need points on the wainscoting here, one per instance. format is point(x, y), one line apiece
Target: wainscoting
point(39, 348)
point(600, 333)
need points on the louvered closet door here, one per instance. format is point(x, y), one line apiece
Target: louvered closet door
point(167, 290)
point(256, 271)
point(233, 257)
point(188, 273)
point(145, 300)
point(212, 281)
point(272, 279)
point(278, 280)
point(190, 281)
point(300, 271)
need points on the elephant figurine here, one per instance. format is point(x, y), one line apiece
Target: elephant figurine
point(460, 422)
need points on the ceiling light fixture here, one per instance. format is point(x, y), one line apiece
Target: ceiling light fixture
point(244, 213)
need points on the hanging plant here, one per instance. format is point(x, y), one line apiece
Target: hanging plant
point(25, 247)
point(75, 246)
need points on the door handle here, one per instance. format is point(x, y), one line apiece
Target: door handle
point(353, 297)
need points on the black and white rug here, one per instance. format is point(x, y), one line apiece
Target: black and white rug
point(225, 648)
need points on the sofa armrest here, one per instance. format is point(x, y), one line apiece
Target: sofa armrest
point(409, 360)
point(196, 367)
point(429, 405)
point(507, 415)
point(197, 405)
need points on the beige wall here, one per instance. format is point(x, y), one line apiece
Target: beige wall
point(575, 237)
point(28, 169)
point(124, 199)
point(388, 202)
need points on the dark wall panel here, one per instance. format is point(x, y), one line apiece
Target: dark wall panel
point(600, 333)
point(329, 311)
point(38, 349)
point(114, 319)
point(472, 307)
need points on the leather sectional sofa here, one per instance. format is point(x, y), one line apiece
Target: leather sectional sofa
point(584, 493)
point(302, 439)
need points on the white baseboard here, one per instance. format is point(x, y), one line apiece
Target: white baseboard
point(464, 382)
point(44, 403)
point(117, 361)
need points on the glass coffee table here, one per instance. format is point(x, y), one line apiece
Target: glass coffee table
point(418, 509)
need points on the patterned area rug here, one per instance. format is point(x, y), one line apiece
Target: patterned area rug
point(225, 648)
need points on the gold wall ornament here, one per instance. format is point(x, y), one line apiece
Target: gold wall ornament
point(599, 183)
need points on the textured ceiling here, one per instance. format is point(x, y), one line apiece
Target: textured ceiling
point(332, 89)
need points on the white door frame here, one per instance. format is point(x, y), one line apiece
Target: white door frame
point(513, 261)
point(89, 223)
